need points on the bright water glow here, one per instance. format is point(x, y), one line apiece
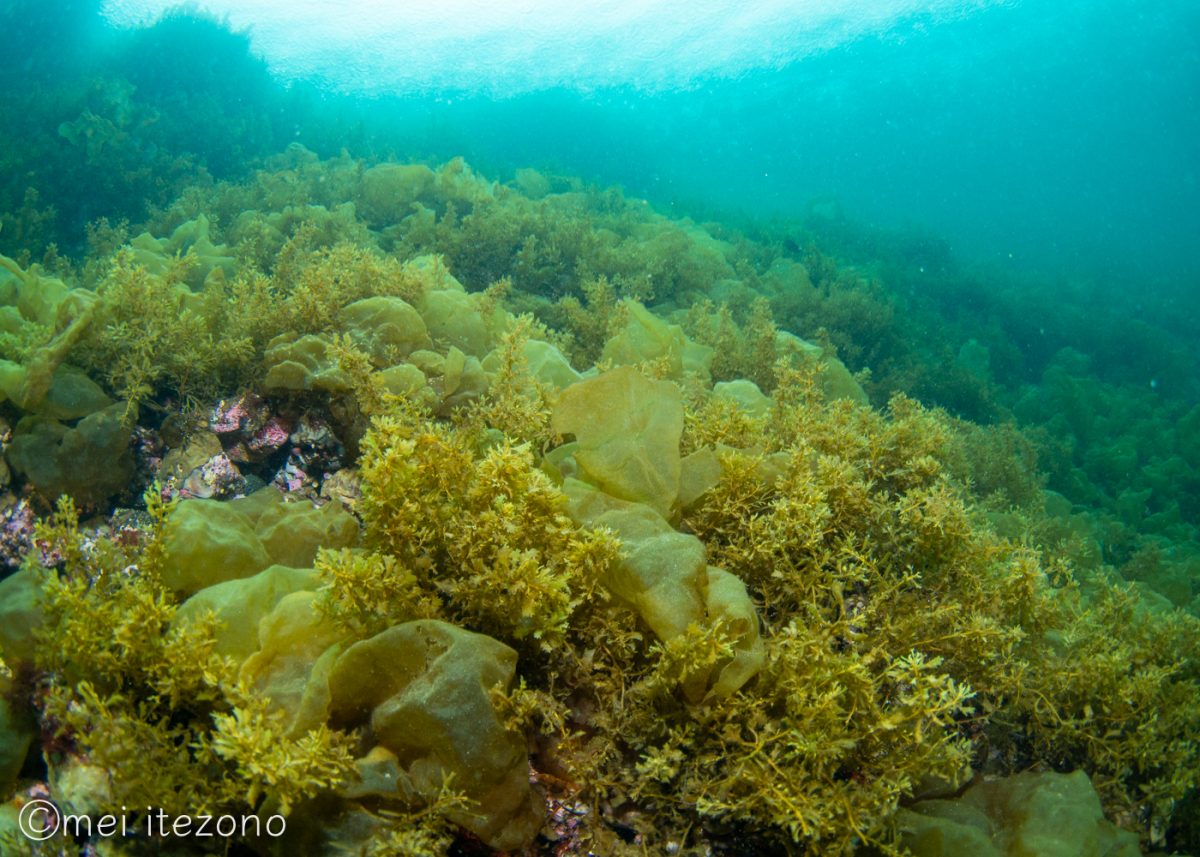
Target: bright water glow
point(506, 47)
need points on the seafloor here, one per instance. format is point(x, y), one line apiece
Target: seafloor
point(385, 508)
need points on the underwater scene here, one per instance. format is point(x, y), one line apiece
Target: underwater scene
point(624, 428)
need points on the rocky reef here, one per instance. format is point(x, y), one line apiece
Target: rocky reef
point(434, 515)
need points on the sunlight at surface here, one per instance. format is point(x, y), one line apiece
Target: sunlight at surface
point(505, 47)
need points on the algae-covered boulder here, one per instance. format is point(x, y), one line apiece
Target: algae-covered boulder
point(408, 382)
point(10, 823)
point(699, 473)
point(36, 297)
point(11, 322)
point(662, 573)
point(548, 365)
point(206, 542)
point(304, 363)
point(293, 532)
point(744, 395)
point(646, 338)
point(787, 281)
point(454, 379)
point(424, 689)
point(44, 305)
point(156, 255)
point(389, 191)
point(239, 606)
point(431, 273)
point(469, 322)
point(698, 360)
point(462, 380)
point(453, 318)
point(628, 429)
point(643, 337)
point(544, 362)
point(71, 394)
point(834, 379)
point(728, 601)
point(252, 506)
point(387, 328)
point(403, 379)
point(1026, 815)
point(90, 461)
point(17, 731)
point(297, 645)
point(456, 182)
point(531, 183)
point(20, 614)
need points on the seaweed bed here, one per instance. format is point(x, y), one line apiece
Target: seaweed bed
point(434, 514)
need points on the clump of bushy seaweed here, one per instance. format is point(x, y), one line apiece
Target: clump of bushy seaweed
point(146, 703)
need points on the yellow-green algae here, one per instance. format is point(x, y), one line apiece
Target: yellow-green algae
point(1046, 814)
point(677, 562)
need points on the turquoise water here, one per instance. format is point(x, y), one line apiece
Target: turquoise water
point(1052, 136)
point(1042, 134)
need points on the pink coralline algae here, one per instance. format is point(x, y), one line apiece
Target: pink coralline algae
point(16, 534)
point(291, 478)
point(244, 415)
point(270, 437)
point(218, 477)
point(247, 428)
point(316, 452)
point(228, 417)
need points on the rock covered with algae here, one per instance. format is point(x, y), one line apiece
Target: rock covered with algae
point(423, 689)
point(239, 605)
point(628, 429)
point(646, 338)
point(71, 394)
point(17, 732)
point(387, 328)
point(292, 533)
point(662, 573)
point(90, 460)
point(208, 542)
point(191, 239)
point(303, 363)
point(1025, 815)
point(20, 614)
